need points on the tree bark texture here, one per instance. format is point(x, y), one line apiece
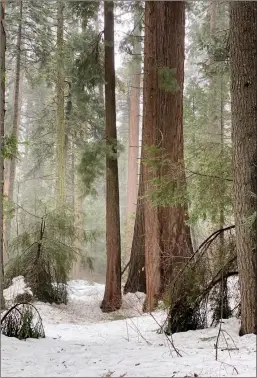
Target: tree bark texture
point(243, 56)
point(167, 238)
point(112, 295)
point(133, 149)
point(60, 122)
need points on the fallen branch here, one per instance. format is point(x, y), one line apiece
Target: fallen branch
point(206, 243)
point(125, 268)
point(170, 340)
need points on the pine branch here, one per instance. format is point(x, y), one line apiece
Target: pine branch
point(211, 176)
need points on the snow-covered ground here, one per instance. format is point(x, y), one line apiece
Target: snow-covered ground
point(81, 341)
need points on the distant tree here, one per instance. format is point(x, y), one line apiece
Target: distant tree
point(60, 121)
point(243, 55)
point(11, 165)
point(112, 296)
point(17, 100)
point(134, 123)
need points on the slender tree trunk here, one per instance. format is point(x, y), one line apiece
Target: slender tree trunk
point(73, 169)
point(216, 137)
point(213, 14)
point(136, 277)
point(77, 270)
point(2, 114)
point(133, 149)
point(78, 197)
point(167, 238)
point(60, 189)
point(17, 102)
point(11, 165)
point(68, 145)
point(243, 56)
point(112, 295)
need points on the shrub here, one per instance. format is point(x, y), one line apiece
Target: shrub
point(22, 321)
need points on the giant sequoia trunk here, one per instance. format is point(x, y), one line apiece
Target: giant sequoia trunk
point(243, 55)
point(112, 295)
point(61, 155)
point(136, 278)
point(133, 149)
point(167, 238)
point(2, 113)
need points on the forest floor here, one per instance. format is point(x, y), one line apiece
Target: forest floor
point(81, 341)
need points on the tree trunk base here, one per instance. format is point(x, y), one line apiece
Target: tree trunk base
point(136, 283)
point(107, 305)
point(183, 318)
point(150, 305)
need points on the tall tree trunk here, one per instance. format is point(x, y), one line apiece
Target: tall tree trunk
point(17, 102)
point(214, 92)
point(11, 165)
point(243, 56)
point(167, 238)
point(2, 114)
point(60, 189)
point(136, 278)
point(112, 295)
point(216, 136)
point(78, 198)
point(133, 149)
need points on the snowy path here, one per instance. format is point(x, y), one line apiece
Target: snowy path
point(129, 347)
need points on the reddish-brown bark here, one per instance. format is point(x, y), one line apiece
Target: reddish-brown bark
point(112, 295)
point(167, 237)
point(243, 56)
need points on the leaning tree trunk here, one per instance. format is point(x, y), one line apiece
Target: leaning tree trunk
point(133, 149)
point(136, 277)
point(61, 145)
point(167, 238)
point(243, 56)
point(112, 295)
point(2, 114)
